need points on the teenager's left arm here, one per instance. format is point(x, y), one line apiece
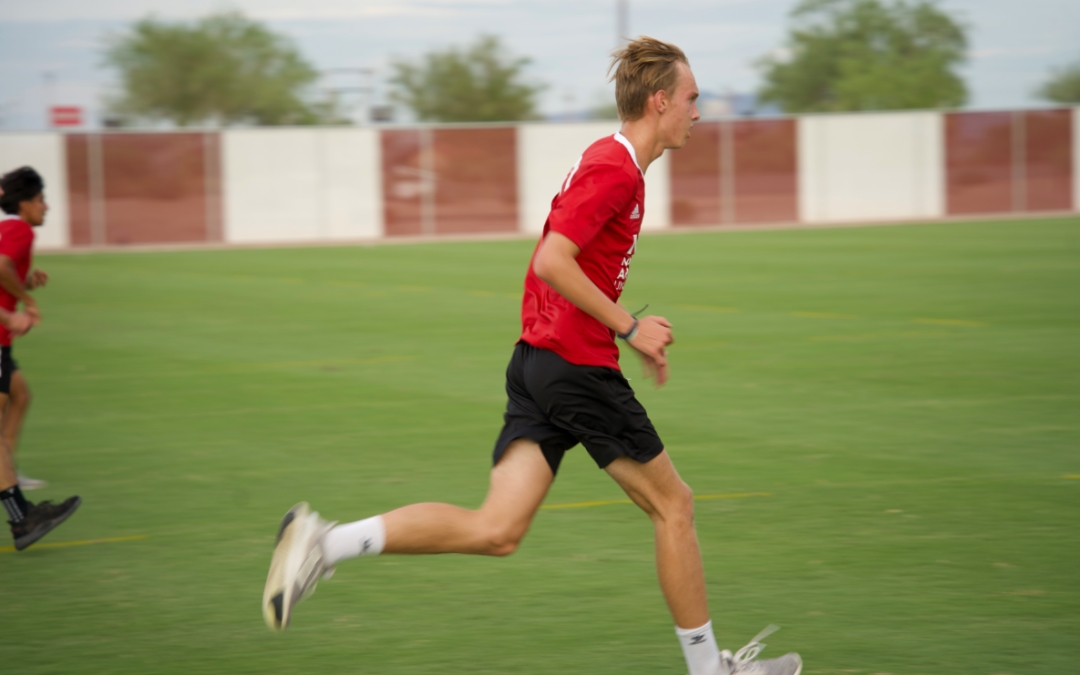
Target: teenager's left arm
point(36, 279)
point(556, 265)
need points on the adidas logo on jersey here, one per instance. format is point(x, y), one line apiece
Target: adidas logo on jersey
point(636, 213)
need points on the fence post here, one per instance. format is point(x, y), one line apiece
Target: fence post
point(727, 171)
point(427, 182)
point(1019, 161)
point(95, 161)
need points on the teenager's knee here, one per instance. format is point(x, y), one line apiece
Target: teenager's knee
point(20, 398)
point(501, 539)
point(677, 506)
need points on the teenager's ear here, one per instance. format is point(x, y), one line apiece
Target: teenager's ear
point(660, 100)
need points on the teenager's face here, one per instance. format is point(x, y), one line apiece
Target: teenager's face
point(33, 210)
point(681, 112)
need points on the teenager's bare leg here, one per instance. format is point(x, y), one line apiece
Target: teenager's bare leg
point(655, 486)
point(14, 412)
point(519, 483)
point(8, 478)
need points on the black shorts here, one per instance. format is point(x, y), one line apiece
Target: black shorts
point(7, 369)
point(558, 405)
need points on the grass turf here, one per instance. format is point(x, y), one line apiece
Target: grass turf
point(906, 396)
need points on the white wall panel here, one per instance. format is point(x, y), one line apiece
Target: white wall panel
point(546, 153)
point(292, 185)
point(46, 153)
point(658, 194)
point(354, 208)
point(871, 167)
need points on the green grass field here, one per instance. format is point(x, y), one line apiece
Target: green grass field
point(906, 398)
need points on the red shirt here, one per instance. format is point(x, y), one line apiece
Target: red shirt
point(16, 240)
point(599, 208)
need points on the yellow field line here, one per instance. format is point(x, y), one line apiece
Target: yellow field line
point(824, 315)
point(951, 322)
point(86, 542)
point(709, 308)
point(1073, 476)
point(583, 505)
point(834, 315)
point(331, 362)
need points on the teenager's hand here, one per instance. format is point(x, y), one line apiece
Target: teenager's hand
point(36, 279)
point(653, 337)
point(31, 309)
point(19, 323)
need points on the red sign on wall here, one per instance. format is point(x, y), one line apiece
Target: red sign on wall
point(66, 116)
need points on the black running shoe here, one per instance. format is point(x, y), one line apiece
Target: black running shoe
point(41, 519)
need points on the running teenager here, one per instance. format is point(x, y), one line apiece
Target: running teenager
point(23, 203)
point(565, 387)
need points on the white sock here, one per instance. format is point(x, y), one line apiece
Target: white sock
point(364, 537)
point(699, 648)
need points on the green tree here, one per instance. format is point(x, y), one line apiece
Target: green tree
point(223, 69)
point(866, 55)
point(481, 83)
point(1063, 85)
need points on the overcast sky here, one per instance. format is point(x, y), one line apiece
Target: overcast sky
point(1014, 44)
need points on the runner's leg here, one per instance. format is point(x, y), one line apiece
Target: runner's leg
point(519, 483)
point(15, 508)
point(8, 478)
point(15, 411)
point(655, 486)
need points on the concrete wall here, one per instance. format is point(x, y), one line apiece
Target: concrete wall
point(282, 185)
point(658, 194)
point(294, 185)
point(869, 167)
point(45, 152)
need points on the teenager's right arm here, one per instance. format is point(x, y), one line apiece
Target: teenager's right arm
point(9, 280)
point(17, 323)
point(556, 265)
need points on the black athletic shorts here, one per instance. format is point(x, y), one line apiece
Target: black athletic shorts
point(7, 369)
point(558, 405)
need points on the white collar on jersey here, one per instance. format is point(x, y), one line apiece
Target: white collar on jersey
point(10, 216)
point(629, 148)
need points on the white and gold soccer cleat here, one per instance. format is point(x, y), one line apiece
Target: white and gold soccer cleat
point(297, 565)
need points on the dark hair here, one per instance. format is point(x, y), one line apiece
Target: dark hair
point(20, 185)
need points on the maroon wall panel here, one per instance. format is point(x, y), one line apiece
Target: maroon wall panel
point(78, 180)
point(475, 180)
point(1048, 166)
point(403, 182)
point(695, 177)
point(155, 188)
point(144, 188)
point(978, 162)
point(766, 171)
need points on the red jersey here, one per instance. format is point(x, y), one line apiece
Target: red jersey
point(16, 240)
point(599, 208)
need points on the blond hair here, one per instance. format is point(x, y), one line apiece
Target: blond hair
point(643, 67)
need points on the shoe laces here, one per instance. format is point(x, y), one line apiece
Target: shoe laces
point(750, 651)
point(314, 566)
